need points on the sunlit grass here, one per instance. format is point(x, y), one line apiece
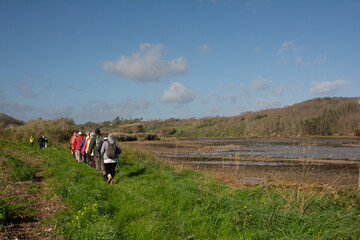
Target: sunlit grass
point(151, 200)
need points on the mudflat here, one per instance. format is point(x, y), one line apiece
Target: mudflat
point(316, 162)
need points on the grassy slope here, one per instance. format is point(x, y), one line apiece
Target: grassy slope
point(151, 200)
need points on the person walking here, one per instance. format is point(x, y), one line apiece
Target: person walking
point(77, 143)
point(32, 139)
point(98, 149)
point(41, 142)
point(45, 142)
point(93, 144)
point(86, 147)
point(110, 151)
point(71, 142)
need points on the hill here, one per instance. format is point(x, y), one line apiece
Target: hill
point(7, 121)
point(316, 117)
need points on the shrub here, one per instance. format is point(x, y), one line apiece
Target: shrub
point(57, 131)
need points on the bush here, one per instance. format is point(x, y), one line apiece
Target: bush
point(57, 131)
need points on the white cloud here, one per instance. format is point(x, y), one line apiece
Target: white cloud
point(261, 84)
point(146, 65)
point(177, 94)
point(25, 90)
point(287, 46)
point(268, 103)
point(204, 49)
point(326, 87)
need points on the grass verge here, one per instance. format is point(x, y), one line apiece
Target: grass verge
point(151, 200)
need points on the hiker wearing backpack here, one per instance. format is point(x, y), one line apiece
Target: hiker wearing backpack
point(93, 144)
point(100, 156)
point(110, 151)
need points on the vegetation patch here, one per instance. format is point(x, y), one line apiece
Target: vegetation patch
point(151, 200)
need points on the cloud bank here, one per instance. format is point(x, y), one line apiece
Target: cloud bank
point(327, 87)
point(146, 65)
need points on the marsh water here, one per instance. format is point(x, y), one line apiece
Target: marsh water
point(330, 149)
point(324, 161)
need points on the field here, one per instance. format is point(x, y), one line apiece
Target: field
point(151, 199)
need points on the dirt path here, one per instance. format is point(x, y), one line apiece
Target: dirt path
point(29, 204)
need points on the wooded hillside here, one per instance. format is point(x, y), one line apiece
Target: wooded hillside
point(320, 116)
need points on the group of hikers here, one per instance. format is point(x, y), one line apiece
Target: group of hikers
point(98, 151)
point(42, 141)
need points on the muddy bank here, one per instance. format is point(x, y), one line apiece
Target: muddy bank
point(317, 162)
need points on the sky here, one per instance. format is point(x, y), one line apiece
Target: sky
point(93, 60)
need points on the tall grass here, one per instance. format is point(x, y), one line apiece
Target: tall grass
point(151, 200)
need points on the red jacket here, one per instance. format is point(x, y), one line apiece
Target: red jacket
point(77, 142)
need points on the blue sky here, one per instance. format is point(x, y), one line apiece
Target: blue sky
point(96, 60)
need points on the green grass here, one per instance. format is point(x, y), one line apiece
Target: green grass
point(151, 200)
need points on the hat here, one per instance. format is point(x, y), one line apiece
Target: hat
point(97, 131)
point(111, 138)
point(79, 133)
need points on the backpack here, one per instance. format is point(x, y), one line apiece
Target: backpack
point(111, 150)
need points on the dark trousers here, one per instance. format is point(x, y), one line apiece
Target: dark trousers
point(88, 159)
point(110, 169)
point(84, 157)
